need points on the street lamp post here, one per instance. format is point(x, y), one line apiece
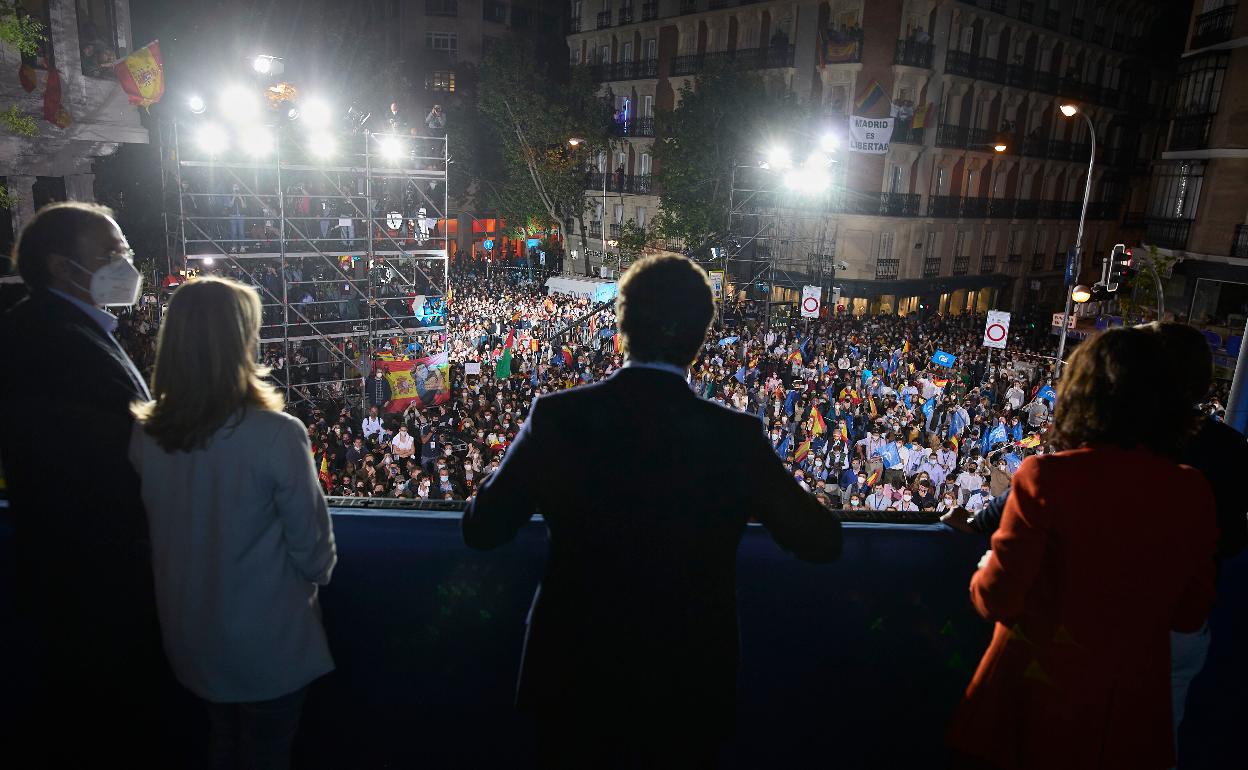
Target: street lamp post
point(1070, 110)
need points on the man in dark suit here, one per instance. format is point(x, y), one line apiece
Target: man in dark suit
point(631, 655)
point(80, 561)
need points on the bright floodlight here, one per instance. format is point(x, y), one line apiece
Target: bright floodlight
point(778, 158)
point(262, 64)
point(240, 104)
point(212, 140)
point(1069, 110)
point(810, 178)
point(575, 141)
point(257, 141)
point(209, 260)
point(322, 145)
point(390, 148)
point(316, 113)
point(829, 142)
point(1081, 294)
point(1000, 147)
point(196, 105)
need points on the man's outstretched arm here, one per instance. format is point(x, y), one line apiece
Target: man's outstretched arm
point(797, 522)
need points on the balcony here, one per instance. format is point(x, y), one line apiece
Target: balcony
point(1050, 209)
point(1104, 210)
point(950, 136)
point(1013, 259)
point(887, 269)
point(595, 229)
point(688, 6)
point(575, 25)
point(1213, 27)
point(974, 208)
point(649, 11)
point(912, 53)
point(1052, 18)
point(1098, 35)
point(625, 70)
point(1168, 233)
point(1044, 81)
point(1190, 132)
point(614, 230)
point(842, 48)
point(1059, 150)
point(604, 19)
point(962, 264)
point(626, 15)
point(635, 127)
point(745, 58)
point(1028, 209)
point(1239, 246)
point(944, 206)
point(908, 135)
point(631, 184)
point(1076, 27)
point(1035, 147)
point(1018, 75)
point(931, 267)
point(1001, 208)
point(899, 204)
point(960, 63)
point(1037, 262)
point(987, 264)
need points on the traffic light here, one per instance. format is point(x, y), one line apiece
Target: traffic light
point(1119, 267)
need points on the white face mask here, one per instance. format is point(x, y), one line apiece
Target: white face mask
point(116, 284)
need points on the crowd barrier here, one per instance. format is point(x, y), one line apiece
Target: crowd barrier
point(855, 664)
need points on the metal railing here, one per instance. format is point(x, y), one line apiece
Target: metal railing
point(1037, 261)
point(961, 264)
point(950, 136)
point(912, 53)
point(634, 127)
point(943, 205)
point(899, 204)
point(1214, 27)
point(619, 182)
point(1001, 208)
point(987, 264)
point(1239, 245)
point(974, 208)
point(746, 58)
point(931, 267)
point(642, 69)
point(887, 269)
point(1168, 233)
point(604, 19)
point(1190, 132)
point(688, 6)
point(626, 15)
point(649, 11)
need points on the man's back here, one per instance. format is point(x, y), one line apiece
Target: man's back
point(638, 607)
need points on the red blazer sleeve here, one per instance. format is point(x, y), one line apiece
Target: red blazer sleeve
point(998, 590)
point(1196, 599)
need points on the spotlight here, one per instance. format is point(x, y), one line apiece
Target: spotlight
point(212, 140)
point(1069, 110)
point(316, 113)
point(808, 179)
point(1000, 147)
point(829, 142)
point(239, 104)
point(390, 147)
point(196, 105)
point(778, 158)
point(209, 261)
point(257, 141)
point(267, 65)
point(322, 145)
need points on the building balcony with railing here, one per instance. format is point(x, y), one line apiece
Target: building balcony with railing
point(604, 19)
point(575, 24)
point(1052, 18)
point(931, 267)
point(905, 134)
point(595, 228)
point(961, 264)
point(619, 182)
point(1167, 233)
point(887, 269)
point(688, 6)
point(626, 15)
point(912, 53)
point(1059, 261)
point(771, 57)
point(649, 11)
point(987, 264)
point(642, 127)
point(950, 136)
point(1001, 208)
point(1190, 132)
point(1026, 209)
point(1214, 27)
point(1037, 262)
point(643, 69)
point(943, 205)
point(895, 204)
point(974, 208)
point(613, 230)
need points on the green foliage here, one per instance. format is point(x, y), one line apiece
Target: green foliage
point(632, 238)
point(20, 30)
point(528, 113)
point(8, 198)
point(17, 122)
point(726, 116)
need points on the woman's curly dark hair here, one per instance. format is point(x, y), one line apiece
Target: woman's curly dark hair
point(1113, 391)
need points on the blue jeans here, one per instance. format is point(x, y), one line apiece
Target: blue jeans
point(1187, 658)
point(257, 735)
point(237, 231)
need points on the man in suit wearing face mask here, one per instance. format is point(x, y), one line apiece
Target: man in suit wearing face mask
point(80, 564)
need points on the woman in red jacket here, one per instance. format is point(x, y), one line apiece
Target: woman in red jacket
point(1093, 565)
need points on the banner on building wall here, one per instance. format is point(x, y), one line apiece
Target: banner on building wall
point(870, 135)
point(142, 75)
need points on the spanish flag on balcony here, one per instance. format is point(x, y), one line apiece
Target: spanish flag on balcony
point(142, 75)
point(921, 116)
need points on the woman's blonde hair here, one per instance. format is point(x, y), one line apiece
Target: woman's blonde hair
point(206, 368)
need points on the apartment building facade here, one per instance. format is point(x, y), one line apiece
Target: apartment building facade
point(84, 39)
point(1197, 210)
point(942, 219)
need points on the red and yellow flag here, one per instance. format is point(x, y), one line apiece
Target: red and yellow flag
point(871, 403)
point(803, 449)
point(1030, 442)
point(957, 442)
point(874, 477)
point(820, 426)
point(940, 383)
point(142, 75)
point(619, 344)
point(794, 357)
point(324, 474)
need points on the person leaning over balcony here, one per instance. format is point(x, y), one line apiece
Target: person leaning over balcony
point(1085, 578)
point(631, 653)
point(240, 531)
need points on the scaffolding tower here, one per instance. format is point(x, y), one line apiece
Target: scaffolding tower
point(344, 235)
point(779, 238)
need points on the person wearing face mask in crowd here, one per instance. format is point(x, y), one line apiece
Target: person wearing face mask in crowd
point(906, 503)
point(377, 391)
point(878, 499)
point(80, 548)
point(980, 499)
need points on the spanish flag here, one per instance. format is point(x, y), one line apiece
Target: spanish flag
point(871, 403)
point(794, 357)
point(957, 442)
point(874, 477)
point(820, 426)
point(939, 382)
point(905, 346)
point(533, 345)
point(618, 343)
point(844, 434)
point(803, 449)
point(142, 75)
point(567, 355)
point(325, 469)
point(1030, 442)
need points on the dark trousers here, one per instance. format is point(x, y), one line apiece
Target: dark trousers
point(254, 736)
point(575, 744)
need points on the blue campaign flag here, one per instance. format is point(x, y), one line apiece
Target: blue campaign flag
point(789, 401)
point(802, 347)
point(783, 447)
point(866, 375)
point(905, 399)
point(1048, 394)
point(726, 341)
point(740, 375)
point(941, 358)
point(853, 350)
point(927, 408)
point(533, 376)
